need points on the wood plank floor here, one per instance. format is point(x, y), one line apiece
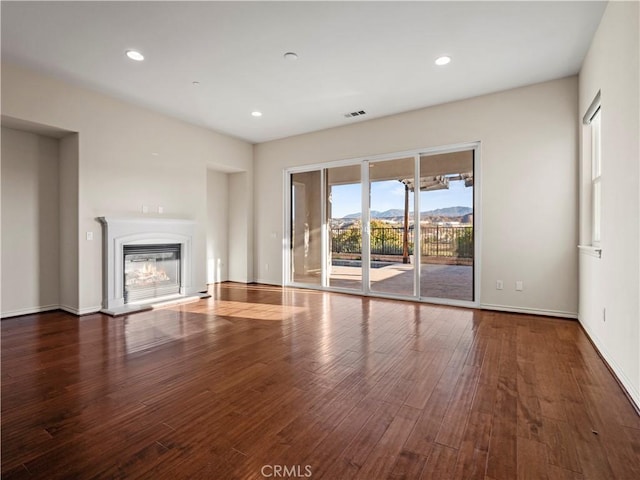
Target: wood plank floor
point(259, 381)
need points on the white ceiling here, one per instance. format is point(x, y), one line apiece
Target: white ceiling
point(372, 56)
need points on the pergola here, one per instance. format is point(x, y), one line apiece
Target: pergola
point(427, 184)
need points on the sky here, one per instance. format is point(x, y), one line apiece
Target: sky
point(386, 195)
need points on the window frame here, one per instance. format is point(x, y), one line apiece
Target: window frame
point(595, 124)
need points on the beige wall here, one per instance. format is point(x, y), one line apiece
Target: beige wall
point(30, 219)
point(217, 226)
point(118, 171)
point(529, 187)
point(69, 240)
point(613, 281)
point(240, 234)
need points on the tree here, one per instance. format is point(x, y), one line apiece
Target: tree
point(464, 242)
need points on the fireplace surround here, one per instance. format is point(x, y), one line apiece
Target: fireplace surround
point(159, 254)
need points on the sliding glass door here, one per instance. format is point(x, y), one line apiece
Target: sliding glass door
point(361, 227)
point(391, 267)
point(306, 228)
point(344, 224)
point(446, 226)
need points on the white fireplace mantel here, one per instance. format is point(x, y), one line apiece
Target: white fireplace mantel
point(118, 232)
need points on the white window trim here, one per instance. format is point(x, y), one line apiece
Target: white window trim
point(596, 178)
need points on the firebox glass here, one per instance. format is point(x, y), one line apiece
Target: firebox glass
point(151, 271)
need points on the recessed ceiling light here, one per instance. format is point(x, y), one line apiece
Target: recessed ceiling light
point(443, 60)
point(256, 114)
point(195, 83)
point(135, 55)
point(291, 56)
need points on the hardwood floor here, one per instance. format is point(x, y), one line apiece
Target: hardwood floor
point(259, 382)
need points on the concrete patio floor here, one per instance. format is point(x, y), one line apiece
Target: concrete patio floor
point(437, 281)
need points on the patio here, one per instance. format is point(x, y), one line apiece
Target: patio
point(436, 280)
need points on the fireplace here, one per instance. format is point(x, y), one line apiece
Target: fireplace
point(151, 271)
point(146, 261)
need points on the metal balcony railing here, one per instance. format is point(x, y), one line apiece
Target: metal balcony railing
point(436, 241)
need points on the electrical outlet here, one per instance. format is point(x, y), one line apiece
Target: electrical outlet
point(89, 235)
point(145, 209)
point(499, 285)
point(519, 286)
point(160, 209)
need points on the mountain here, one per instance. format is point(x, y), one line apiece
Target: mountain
point(448, 212)
point(396, 212)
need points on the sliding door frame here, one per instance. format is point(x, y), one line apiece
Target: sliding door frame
point(415, 294)
point(365, 208)
point(365, 217)
point(477, 224)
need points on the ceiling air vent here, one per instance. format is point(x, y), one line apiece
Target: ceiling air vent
point(355, 114)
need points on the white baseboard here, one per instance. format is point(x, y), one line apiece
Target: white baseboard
point(48, 308)
point(631, 389)
point(80, 311)
point(29, 311)
point(267, 282)
point(529, 311)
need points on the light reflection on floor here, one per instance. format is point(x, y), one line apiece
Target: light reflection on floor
point(144, 331)
point(254, 311)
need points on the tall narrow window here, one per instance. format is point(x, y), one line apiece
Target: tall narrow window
point(591, 185)
point(596, 179)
